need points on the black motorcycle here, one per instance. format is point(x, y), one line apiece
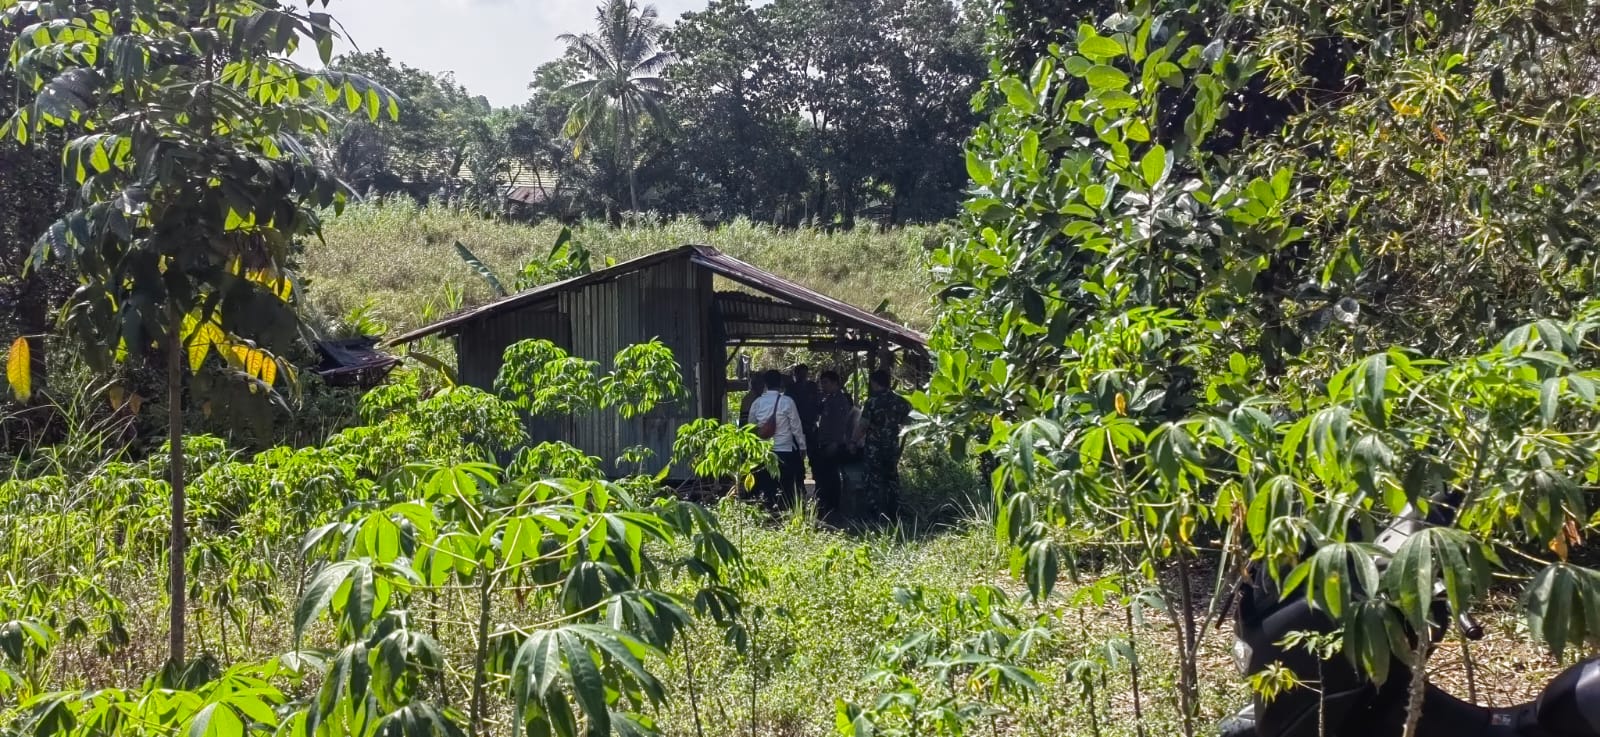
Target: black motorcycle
point(1351, 705)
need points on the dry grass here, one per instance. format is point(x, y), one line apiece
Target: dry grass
point(830, 593)
point(401, 257)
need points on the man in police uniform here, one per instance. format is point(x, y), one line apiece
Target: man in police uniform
point(882, 417)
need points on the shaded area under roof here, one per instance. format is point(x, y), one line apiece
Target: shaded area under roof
point(353, 361)
point(787, 311)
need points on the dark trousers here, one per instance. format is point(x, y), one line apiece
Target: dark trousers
point(788, 485)
point(883, 480)
point(792, 475)
point(825, 469)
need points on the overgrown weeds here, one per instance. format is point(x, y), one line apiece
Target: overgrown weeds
point(402, 257)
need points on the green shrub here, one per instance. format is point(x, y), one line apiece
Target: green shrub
point(934, 486)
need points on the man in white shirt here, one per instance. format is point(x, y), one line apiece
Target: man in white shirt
point(788, 442)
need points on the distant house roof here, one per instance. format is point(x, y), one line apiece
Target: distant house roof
point(786, 296)
point(527, 195)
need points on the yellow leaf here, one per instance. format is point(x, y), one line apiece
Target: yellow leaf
point(1405, 110)
point(118, 397)
point(1122, 404)
point(205, 337)
point(1185, 528)
point(19, 369)
point(253, 362)
point(1559, 546)
point(269, 371)
point(135, 402)
point(274, 282)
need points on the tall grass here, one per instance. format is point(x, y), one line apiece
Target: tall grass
point(401, 256)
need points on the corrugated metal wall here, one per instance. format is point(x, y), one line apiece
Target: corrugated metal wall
point(481, 346)
point(670, 301)
point(659, 302)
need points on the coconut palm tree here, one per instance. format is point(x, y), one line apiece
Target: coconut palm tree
point(622, 62)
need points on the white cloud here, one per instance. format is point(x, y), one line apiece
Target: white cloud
point(492, 46)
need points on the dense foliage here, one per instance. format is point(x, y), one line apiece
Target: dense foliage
point(400, 520)
point(797, 111)
point(1173, 325)
point(1233, 287)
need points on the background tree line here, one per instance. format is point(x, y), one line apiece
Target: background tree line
point(795, 112)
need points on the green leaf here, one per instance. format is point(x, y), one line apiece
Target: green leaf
point(1100, 47)
point(1550, 398)
point(359, 608)
point(588, 688)
point(626, 652)
point(319, 594)
point(216, 720)
point(482, 269)
point(1043, 568)
point(1019, 95)
point(1369, 639)
point(1582, 386)
point(1423, 559)
point(1153, 166)
point(1562, 605)
point(979, 170)
point(987, 341)
point(1372, 377)
point(1105, 77)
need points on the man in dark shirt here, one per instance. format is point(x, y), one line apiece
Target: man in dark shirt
point(832, 440)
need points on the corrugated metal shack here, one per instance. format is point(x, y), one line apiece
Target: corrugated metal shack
point(699, 302)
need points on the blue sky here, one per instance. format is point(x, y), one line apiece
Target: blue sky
point(491, 45)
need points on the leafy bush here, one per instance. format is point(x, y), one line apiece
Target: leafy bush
point(935, 485)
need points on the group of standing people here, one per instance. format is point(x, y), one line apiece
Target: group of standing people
point(817, 421)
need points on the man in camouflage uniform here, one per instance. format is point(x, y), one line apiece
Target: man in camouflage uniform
point(882, 416)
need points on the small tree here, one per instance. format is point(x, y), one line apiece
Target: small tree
point(185, 123)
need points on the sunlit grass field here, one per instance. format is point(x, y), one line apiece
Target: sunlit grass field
point(401, 257)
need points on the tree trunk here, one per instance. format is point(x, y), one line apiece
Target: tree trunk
point(627, 158)
point(179, 543)
point(1188, 645)
point(480, 664)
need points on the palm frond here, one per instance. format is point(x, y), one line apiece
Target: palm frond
point(654, 63)
point(653, 107)
point(652, 85)
point(595, 55)
point(581, 87)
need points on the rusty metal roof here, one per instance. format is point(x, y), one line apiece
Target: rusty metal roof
point(747, 275)
point(527, 195)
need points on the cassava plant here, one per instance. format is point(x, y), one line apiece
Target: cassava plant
point(1107, 337)
point(553, 575)
point(1105, 242)
point(183, 129)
